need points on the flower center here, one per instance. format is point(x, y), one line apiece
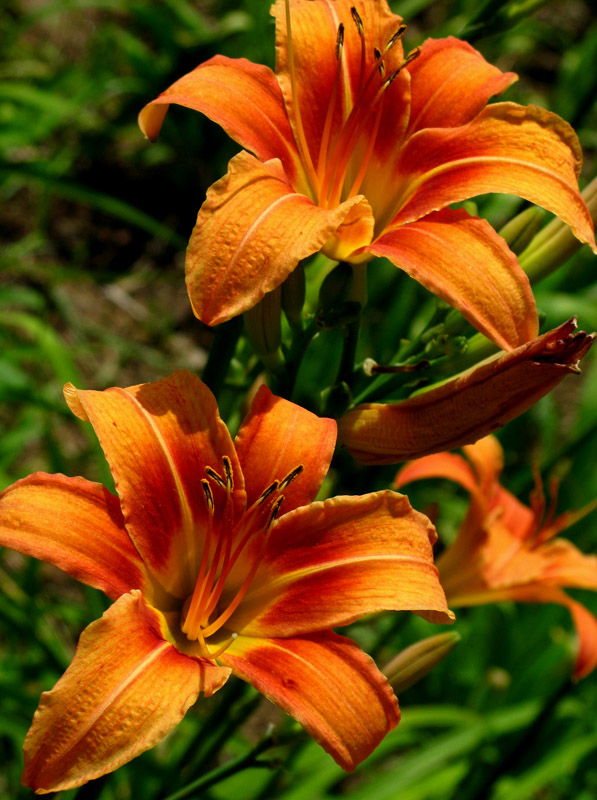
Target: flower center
point(228, 547)
point(345, 153)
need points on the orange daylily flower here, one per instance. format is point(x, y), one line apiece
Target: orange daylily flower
point(218, 561)
point(506, 550)
point(467, 407)
point(359, 151)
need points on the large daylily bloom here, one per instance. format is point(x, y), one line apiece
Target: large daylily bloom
point(358, 151)
point(467, 407)
point(219, 562)
point(506, 550)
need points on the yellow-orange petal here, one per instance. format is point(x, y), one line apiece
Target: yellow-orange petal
point(244, 98)
point(439, 465)
point(465, 262)
point(487, 456)
point(124, 691)
point(250, 234)
point(314, 34)
point(158, 439)
point(522, 150)
point(566, 565)
point(326, 683)
point(275, 438)
point(75, 525)
point(327, 564)
point(466, 408)
point(451, 83)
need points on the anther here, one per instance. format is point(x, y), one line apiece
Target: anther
point(215, 477)
point(291, 476)
point(209, 498)
point(228, 471)
point(395, 38)
point(339, 41)
point(357, 20)
point(412, 55)
point(275, 510)
point(270, 490)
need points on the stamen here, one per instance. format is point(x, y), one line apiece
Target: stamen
point(228, 471)
point(357, 20)
point(275, 510)
point(209, 498)
point(327, 126)
point(291, 476)
point(215, 477)
point(395, 38)
point(300, 132)
point(361, 29)
point(270, 489)
point(224, 647)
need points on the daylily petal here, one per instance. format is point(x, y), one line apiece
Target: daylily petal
point(251, 232)
point(291, 437)
point(466, 408)
point(463, 260)
point(244, 98)
point(514, 515)
point(329, 563)
point(75, 525)
point(325, 682)
point(522, 150)
point(487, 456)
point(124, 691)
point(158, 439)
point(314, 29)
point(440, 465)
point(451, 83)
point(566, 565)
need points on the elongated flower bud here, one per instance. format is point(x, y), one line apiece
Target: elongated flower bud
point(416, 661)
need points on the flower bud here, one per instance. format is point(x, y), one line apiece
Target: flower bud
point(413, 663)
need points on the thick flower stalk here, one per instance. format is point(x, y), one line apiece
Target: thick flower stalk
point(506, 550)
point(468, 406)
point(358, 150)
point(218, 561)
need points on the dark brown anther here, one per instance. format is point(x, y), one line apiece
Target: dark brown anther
point(339, 41)
point(392, 78)
point(211, 473)
point(209, 498)
point(291, 476)
point(228, 471)
point(275, 510)
point(412, 55)
point(395, 38)
point(270, 490)
point(357, 20)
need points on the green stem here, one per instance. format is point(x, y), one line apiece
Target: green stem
point(247, 761)
point(221, 353)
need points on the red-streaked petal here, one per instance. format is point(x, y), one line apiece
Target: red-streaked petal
point(75, 525)
point(124, 691)
point(467, 407)
point(244, 98)
point(251, 232)
point(522, 150)
point(314, 34)
point(463, 260)
point(440, 465)
point(276, 437)
point(158, 439)
point(451, 83)
point(330, 563)
point(326, 683)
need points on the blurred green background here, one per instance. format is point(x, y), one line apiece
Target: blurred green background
point(94, 223)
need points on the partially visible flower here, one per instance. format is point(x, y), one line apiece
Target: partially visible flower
point(219, 562)
point(463, 409)
point(359, 151)
point(506, 550)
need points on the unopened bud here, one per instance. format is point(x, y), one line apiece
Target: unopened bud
point(416, 661)
point(555, 243)
point(262, 324)
point(519, 231)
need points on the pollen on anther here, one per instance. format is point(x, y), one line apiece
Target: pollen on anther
point(339, 41)
point(291, 476)
point(209, 498)
point(357, 20)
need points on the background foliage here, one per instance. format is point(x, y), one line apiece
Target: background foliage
point(94, 222)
